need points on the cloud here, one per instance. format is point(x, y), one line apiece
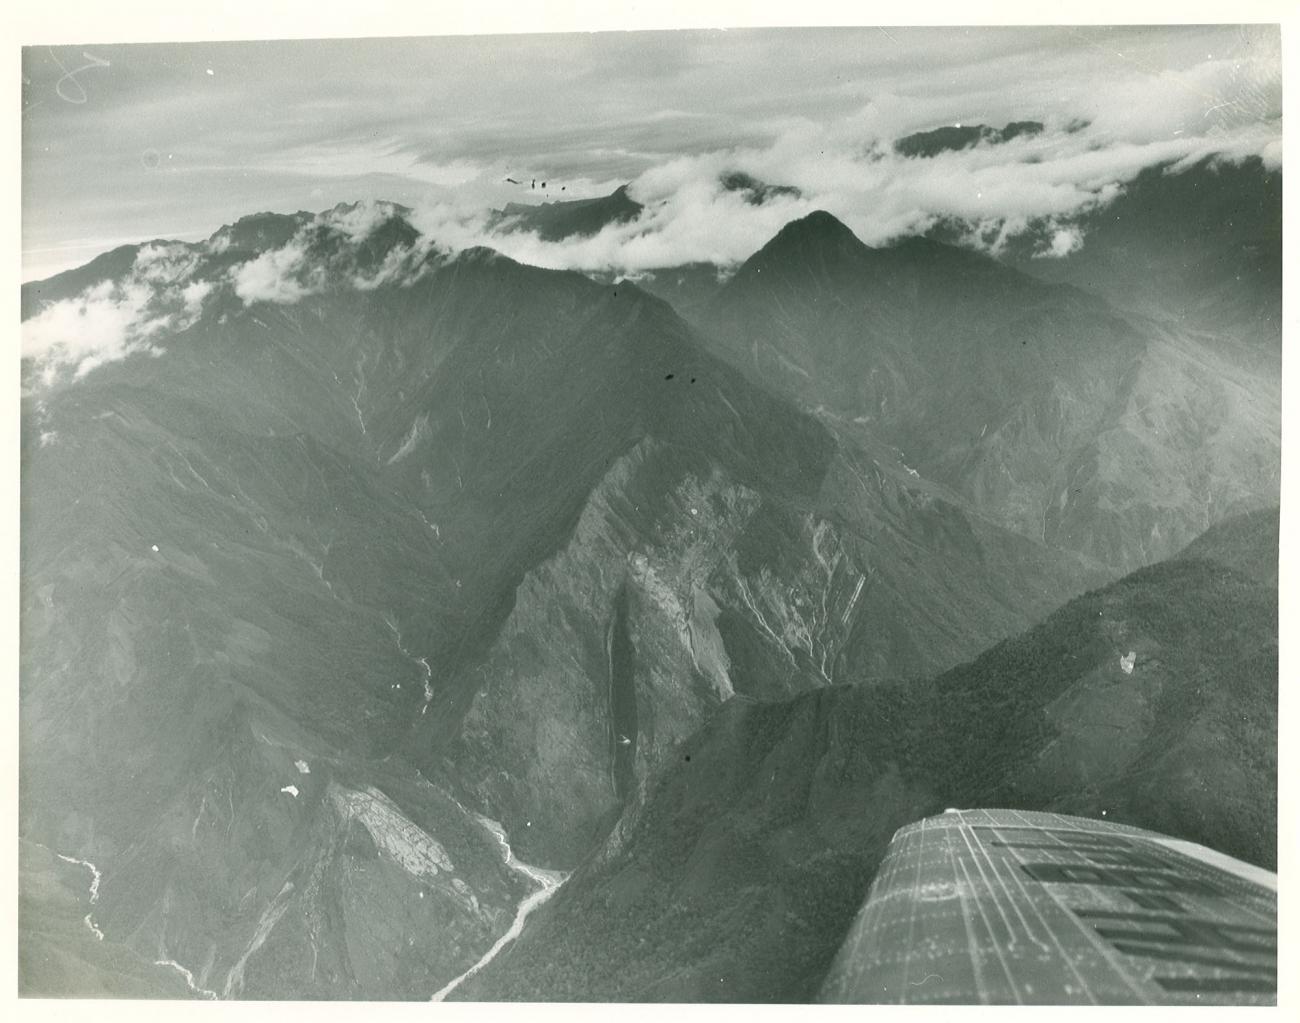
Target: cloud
point(416, 119)
point(109, 321)
point(165, 262)
point(402, 265)
point(689, 216)
point(1217, 97)
point(325, 253)
point(193, 296)
point(358, 221)
point(278, 276)
point(1064, 241)
point(361, 157)
point(169, 284)
point(850, 168)
point(1112, 102)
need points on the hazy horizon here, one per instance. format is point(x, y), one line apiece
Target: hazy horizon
point(125, 143)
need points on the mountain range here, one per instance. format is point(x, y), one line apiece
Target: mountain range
point(365, 584)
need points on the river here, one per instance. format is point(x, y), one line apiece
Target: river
point(550, 882)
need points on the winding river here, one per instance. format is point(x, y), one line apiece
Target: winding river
point(549, 881)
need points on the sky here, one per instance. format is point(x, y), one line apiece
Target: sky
point(124, 143)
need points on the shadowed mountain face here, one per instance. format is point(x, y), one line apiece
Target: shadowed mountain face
point(386, 533)
point(582, 218)
point(1119, 437)
point(573, 218)
point(1199, 246)
point(756, 192)
point(1152, 701)
point(687, 288)
point(954, 138)
point(685, 584)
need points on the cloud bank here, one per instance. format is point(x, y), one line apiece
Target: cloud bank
point(1099, 132)
point(998, 190)
point(170, 284)
point(114, 319)
point(329, 252)
point(426, 121)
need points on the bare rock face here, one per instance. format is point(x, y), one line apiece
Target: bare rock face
point(682, 588)
point(611, 654)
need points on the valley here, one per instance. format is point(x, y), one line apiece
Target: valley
point(547, 882)
point(403, 621)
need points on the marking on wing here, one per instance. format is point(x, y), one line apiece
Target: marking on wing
point(997, 948)
point(916, 884)
point(1051, 933)
point(977, 855)
point(972, 945)
point(1087, 932)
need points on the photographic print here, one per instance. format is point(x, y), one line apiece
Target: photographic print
point(751, 515)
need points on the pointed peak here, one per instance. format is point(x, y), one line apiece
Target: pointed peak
point(816, 236)
point(569, 218)
point(817, 224)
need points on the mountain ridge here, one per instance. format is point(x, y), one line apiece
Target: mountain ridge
point(726, 881)
point(1033, 402)
point(448, 529)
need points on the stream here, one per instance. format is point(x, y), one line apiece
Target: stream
point(95, 878)
point(550, 882)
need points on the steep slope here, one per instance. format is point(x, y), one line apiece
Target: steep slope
point(1152, 701)
point(1043, 408)
point(228, 601)
point(1200, 246)
point(210, 678)
point(336, 510)
point(1246, 543)
point(685, 585)
point(733, 549)
point(60, 946)
point(687, 288)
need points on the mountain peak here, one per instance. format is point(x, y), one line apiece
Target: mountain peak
point(817, 225)
point(569, 218)
point(818, 230)
point(817, 239)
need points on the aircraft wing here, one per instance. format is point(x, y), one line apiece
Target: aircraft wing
point(1007, 906)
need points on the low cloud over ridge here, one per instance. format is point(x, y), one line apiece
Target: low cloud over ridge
point(169, 284)
point(116, 318)
point(1098, 134)
point(1045, 181)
